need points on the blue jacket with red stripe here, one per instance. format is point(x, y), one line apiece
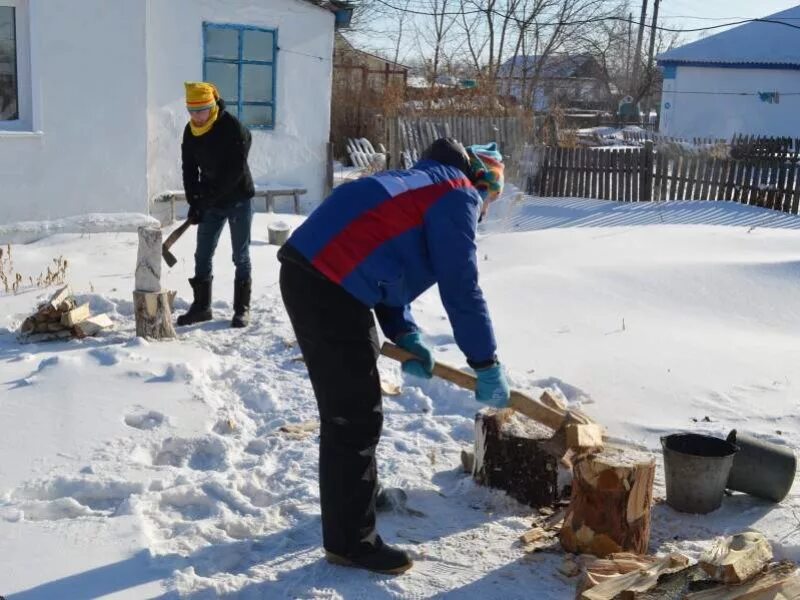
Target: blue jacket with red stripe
point(388, 238)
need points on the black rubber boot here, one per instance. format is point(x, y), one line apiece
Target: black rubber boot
point(241, 302)
point(381, 558)
point(200, 310)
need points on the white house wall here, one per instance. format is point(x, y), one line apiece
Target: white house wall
point(85, 150)
point(295, 152)
point(720, 102)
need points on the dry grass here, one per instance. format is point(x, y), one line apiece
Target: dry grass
point(13, 281)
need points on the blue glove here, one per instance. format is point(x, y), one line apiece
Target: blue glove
point(492, 388)
point(412, 342)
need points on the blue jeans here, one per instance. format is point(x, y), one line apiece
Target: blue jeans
point(240, 220)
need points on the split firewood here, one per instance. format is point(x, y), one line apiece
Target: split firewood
point(588, 436)
point(638, 581)
point(56, 300)
point(612, 494)
point(75, 316)
point(736, 559)
point(780, 582)
point(92, 326)
point(549, 399)
point(544, 534)
point(600, 570)
point(47, 337)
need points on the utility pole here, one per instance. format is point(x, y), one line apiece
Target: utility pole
point(651, 57)
point(637, 59)
point(653, 35)
point(629, 48)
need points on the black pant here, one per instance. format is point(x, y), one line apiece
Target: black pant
point(339, 342)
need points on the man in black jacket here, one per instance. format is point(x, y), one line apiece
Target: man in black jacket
point(219, 188)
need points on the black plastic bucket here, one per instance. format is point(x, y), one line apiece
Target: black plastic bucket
point(761, 468)
point(696, 468)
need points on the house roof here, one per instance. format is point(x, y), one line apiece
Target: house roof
point(331, 5)
point(558, 66)
point(755, 44)
point(352, 48)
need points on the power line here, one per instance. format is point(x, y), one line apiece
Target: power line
point(588, 21)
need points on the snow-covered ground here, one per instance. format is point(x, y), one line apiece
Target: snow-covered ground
point(137, 470)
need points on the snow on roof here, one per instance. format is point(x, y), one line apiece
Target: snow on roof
point(756, 43)
point(555, 66)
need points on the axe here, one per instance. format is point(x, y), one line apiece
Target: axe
point(573, 430)
point(169, 258)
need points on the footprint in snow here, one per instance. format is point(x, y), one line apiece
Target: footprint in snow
point(145, 420)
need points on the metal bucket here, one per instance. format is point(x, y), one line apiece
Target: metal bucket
point(696, 468)
point(278, 233)
point(761, 468)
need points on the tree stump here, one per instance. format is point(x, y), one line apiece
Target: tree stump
point(152, 306)
point(609, 512)
point(154, 314)
point(509, 456)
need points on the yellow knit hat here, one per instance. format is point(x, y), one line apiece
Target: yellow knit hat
point(200, 95)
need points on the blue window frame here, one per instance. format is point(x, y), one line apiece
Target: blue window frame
point(241, 61)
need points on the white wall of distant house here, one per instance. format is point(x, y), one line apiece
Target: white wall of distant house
point(80, 145)
point(720, 102)
point(295, 151)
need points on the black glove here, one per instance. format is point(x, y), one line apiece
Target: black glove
point(195, 215)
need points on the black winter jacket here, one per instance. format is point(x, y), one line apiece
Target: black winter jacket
point(215, 170)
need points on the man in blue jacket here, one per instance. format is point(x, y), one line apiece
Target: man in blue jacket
point(376, 244)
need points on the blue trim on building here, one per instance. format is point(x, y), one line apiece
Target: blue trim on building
point(670, 71)
point(713, 65)
point(240, 61)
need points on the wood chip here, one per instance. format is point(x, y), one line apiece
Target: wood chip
point(299, 430)
point(640, 580)
point(390, 389)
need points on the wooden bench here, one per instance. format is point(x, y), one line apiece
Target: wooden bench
point(268, 191)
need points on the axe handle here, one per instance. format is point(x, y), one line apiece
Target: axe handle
point(175, 235)
point(541, 413)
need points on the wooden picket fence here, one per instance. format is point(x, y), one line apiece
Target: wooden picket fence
point(745, 147)
point(651, 136)
point(408, 137)
point(643, 175)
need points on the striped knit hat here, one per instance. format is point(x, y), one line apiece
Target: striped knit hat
point(487, 169)
point(200, 95)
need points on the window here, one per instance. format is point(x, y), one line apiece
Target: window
point(240, 61)
point(9, 97)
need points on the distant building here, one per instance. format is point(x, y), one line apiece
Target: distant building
point(743, 80)
point(569, 81)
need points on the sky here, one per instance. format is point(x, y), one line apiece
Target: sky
point(694, 13)
point(676, 13)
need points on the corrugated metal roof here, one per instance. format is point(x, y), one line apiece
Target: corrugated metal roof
point(555, 66)
point(753, 44)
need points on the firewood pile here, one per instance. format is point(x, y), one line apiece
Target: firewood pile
point(61, 318)
point(740, 567)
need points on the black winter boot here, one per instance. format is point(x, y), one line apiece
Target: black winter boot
point(200, 310)
point(241, 302)
point(381, 558)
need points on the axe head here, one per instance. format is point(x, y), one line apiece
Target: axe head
point(169, 258)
